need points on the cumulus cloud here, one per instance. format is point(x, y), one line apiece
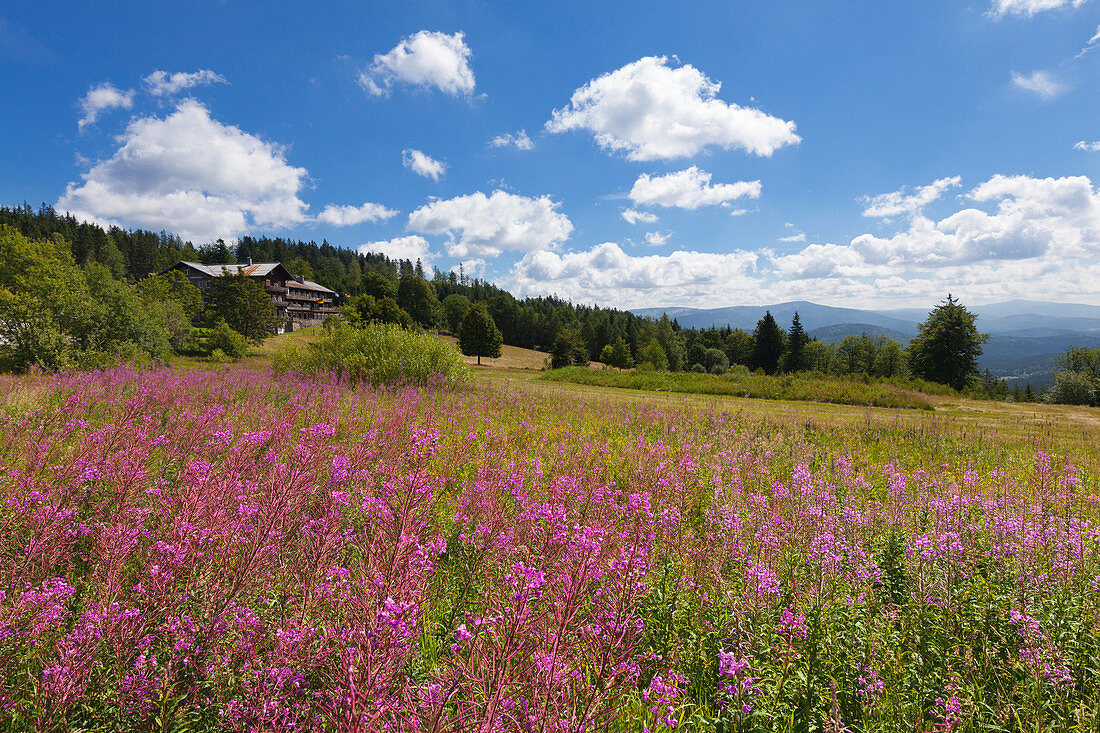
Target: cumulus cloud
point(633, 216)
point(609, 275)
point(689, 189)
point(1087, 146)
point(425, 59)
point(346, 216)
point(161, 83)
point(800, 237)
point(1015, 237)
point(486, 226)
point(657, 239)
point(423, 165)
point(1041, 83)
point(193, 175)
point(519, 141)
point(906, 201)
point(101, 98)
point(411, 248)
point(649, 110)
point(1031, 7)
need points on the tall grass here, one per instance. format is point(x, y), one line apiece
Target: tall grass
point(377, 354)
point(803, 387)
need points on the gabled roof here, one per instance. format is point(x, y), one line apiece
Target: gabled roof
point(259, 269)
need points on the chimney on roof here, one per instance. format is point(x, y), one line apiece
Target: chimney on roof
point(299, 279)
point(250, 262)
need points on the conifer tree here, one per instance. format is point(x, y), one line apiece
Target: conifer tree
point(479, 336)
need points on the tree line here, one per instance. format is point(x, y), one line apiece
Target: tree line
point(374, 288)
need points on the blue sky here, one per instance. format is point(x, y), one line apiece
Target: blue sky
point(628, 153)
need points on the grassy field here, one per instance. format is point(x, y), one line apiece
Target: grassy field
point(803, 387)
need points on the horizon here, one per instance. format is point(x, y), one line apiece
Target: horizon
point(712, 157)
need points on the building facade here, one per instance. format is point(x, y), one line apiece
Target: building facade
point(298, 302)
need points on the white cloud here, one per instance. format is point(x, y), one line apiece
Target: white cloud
point(410, 248)
point(907, 202)
point(1087, 146)
point(101, 98)
point(346, 216)
point(657, 239)
point(800, 237)
point(741, 212)
point(1031, 7)
point(633, 216)
point(192, 175)
point(689, 189)
point(609, 275)
point(649, 110)
point(161, 83)
point(1017, 237)
point(1034, 217)
point(1041, 83)
point(424, 59)
point(423, 165)
point(488, 225)
point(519, 141)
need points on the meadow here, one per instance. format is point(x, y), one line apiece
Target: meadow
point(234, 550)
point(809, 387)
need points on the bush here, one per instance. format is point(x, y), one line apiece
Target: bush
point(219, 357)
point(379, 354)
point(1071, 388)
point(223, 338)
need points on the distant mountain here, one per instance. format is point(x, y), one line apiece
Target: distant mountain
point(1025, 336)
point(835, 334)
point(812, 316)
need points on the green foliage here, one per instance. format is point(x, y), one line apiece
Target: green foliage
point(377, 285)
point(671, 341)
point(653, 356)
point(807, 387)
point(478, 335)
point(1072, 388)
point(947, 345)
point(795, 358)
point(224, 339)
point(455, 308)
point(242, 303)
point(617, 354)
point(378, 354)
point(370, 309)
point(569, 349)
point(768, 344)
point(715, 361)
point(53, 315)
point(417, 298)
point(301, 268)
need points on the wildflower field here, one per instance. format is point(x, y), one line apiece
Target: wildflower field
point(230, 550)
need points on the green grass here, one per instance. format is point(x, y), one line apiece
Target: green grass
point(801, 387)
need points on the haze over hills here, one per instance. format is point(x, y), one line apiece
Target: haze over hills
point(1025, 336)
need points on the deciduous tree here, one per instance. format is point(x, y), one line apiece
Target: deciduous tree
point(479, 336)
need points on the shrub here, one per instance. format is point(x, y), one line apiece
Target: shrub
point(223, 338)
point(1071, 388)
point(379, 354)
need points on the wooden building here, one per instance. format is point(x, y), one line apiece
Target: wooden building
point(298, 302)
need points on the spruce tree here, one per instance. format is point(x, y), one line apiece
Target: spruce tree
point(768, 344)
point(947, 345)
point(796, 346)
point(479, 336)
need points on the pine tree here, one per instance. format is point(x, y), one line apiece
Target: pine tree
point(796, 346)
point(617, 354)
point(479, 336)
point(947, 345)
point(768, 344)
